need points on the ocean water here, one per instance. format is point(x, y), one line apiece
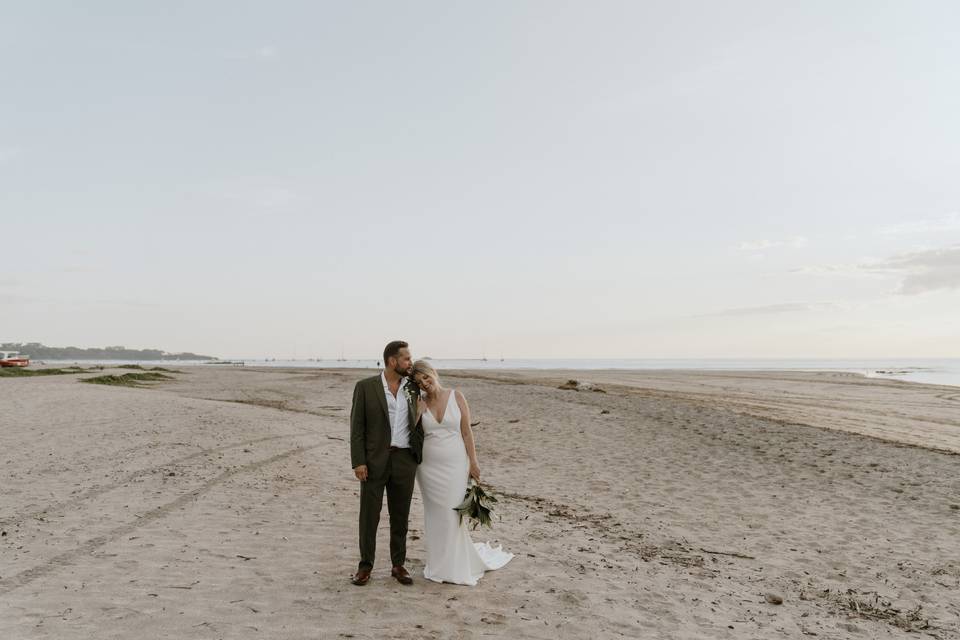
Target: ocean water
point(925, 370)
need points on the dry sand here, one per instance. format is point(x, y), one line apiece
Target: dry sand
point(221, 505)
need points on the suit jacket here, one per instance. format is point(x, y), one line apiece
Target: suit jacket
point(370, 432)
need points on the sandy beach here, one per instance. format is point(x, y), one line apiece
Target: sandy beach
point(674, 504)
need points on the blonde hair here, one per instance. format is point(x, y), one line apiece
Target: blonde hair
point(424, 367)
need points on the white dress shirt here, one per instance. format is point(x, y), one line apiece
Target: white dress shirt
point(399, 414)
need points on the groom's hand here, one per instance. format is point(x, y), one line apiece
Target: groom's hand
point(361, 472)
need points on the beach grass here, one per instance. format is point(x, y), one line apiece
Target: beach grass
point(142, 368)
point(18, 372)
point(129, 379)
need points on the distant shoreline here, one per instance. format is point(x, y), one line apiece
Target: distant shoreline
point(936, 371)
point(39, 351)
point(947, 373)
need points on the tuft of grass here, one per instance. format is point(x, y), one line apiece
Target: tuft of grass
point(141, 368)
point(576, 385)
point(18, 372)
point(129, 379)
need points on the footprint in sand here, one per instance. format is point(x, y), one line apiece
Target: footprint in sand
point(493, 618)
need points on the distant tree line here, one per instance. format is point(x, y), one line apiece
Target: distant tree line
point(38, 351)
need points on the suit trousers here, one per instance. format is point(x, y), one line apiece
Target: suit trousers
point(398, 479)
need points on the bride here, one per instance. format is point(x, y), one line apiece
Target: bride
point(449, 460)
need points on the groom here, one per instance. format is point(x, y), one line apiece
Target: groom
point(385, 449)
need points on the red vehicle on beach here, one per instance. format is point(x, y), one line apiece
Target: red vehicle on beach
point(13, 359)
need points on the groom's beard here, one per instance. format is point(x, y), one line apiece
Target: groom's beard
point(401, 372)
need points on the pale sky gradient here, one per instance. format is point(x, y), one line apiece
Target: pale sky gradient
point(542, 179)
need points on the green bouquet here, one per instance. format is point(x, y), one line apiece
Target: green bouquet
point(476, 505)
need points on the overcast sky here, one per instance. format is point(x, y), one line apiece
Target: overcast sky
point(541, 179)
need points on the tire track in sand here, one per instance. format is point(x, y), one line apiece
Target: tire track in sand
point(99, 490)
point(27, 576)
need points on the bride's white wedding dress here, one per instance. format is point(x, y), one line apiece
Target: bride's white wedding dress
point(443, 475)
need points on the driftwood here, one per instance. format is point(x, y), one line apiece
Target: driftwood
point(727, 553)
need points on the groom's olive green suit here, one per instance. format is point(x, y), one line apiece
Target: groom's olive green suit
point(391, 469)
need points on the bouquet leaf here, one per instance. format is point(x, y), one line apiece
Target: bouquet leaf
point(476, 506)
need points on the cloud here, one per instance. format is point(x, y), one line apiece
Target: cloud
point(797, 242)
point(771, 309)
point(922, 271)
point(79, 268)
point(124, 303)
point(918, 271)
point(75, 301)
point(950, 222)
point(262, 52)
point(826, 269)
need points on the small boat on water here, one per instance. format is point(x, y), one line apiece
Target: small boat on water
point(13, 359)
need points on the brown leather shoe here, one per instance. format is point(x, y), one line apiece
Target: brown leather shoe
point(361, 578)
point(401, 575)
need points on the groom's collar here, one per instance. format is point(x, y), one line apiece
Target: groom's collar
point(386, 385)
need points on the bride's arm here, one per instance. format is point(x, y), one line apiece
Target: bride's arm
point(467, 432)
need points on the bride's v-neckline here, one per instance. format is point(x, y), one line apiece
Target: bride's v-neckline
point(446, 405)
